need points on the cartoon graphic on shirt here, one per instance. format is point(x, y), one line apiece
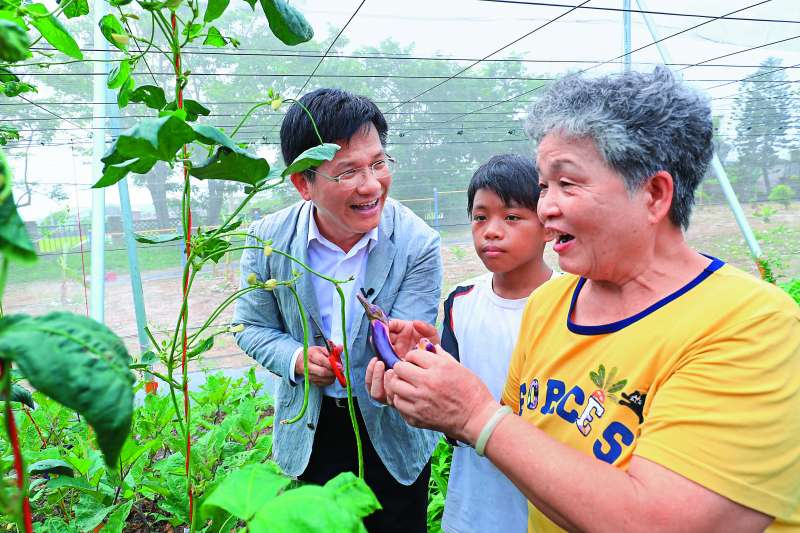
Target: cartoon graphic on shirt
point(634, 402)
point(607, 386)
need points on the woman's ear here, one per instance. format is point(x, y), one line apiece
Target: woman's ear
point(658, 195)
point(302, 185)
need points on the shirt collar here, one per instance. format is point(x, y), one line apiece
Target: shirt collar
point(369, 239)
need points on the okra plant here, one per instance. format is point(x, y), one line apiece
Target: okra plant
point(81, 363)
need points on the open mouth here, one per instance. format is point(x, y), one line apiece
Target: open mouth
point(365, 206)
point(564, 238)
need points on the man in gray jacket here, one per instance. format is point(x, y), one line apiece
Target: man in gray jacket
point(346, 226)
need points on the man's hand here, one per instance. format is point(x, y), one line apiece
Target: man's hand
point(320, 372)
point(406, 334)
point(376, 370)
point(432, 390)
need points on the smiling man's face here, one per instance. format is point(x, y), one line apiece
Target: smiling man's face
point(344, 214)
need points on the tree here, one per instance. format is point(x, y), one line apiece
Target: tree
point(764, 116)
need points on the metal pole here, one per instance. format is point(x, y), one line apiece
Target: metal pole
point(130, 244)
point(716, 164)
point(436, 208)
point(626, 34)
point(97, 261)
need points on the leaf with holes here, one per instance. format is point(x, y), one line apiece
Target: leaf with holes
point(79, 363)
point(14, 43)
point(110, 26)
point(149, 95)
point(286, 22)
point(53, 31)
point(14, 241)
point(313, 157)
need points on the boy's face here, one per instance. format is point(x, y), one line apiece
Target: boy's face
point(506, 237)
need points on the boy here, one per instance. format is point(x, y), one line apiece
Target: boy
point(481, 323)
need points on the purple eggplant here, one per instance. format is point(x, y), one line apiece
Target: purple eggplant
point(379, 332)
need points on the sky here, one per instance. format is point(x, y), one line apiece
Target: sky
point(559, 37)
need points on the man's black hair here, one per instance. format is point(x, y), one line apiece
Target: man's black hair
point(512, 177)
point(338, 115)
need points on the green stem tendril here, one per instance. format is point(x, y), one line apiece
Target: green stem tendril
point(350, 404)
point(306, 382)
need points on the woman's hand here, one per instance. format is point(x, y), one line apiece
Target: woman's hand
point(406, 334)
point(432, 390)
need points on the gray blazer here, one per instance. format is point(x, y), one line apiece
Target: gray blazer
point(405, 270)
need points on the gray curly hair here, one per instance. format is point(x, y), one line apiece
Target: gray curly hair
point(641, 123)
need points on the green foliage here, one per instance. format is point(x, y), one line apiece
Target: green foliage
point(437, 488)
point(79, 363)
point(287, 23)
point(14, 240)
point(19, 394)
point(118, 74)
point(53, 30)
point(150, 95)
point(312, 157)
point(765, 212)
point(7, 133)
point(14, 42)
point(112, 29)
point(782, 194)
point(215, 9)
point(793, 289)
point(76, 8)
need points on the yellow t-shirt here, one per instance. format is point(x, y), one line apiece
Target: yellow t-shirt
point(705, 382)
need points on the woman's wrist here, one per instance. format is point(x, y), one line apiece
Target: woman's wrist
point(478, 420)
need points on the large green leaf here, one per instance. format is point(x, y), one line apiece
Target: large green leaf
point(338, 506)
point(14, 240)
point(76, 8)
point(53, 31)
point(79, 363)
point(245, 491)
point(286, 22)
point(158, 239)
point(215, 9)
point(19, 394)
point(214, 38)
point(51, 466)
point(117, 519)
point(90, 512)
point(14, 42)
point(110, 26)
point(150, 95)
point(124, 93)
point(313, 157)
point(139, 148)
point(232, 165)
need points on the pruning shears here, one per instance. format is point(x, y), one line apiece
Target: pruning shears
point(334, 354)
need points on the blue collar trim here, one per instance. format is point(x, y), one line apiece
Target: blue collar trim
point(715, 265)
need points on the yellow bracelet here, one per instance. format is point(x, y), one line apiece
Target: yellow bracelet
point(486, 432)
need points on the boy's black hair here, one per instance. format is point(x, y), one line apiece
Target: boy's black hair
point(338, 115)
point(512, 177)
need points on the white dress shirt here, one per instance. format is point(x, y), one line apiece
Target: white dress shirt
point(329, 259)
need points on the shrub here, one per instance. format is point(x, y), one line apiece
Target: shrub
point(782, 194)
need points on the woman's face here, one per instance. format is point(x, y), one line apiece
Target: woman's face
point(600, 229)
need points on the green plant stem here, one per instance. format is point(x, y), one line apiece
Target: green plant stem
point(313, 122)
point(350, 405)
point(3, 279)
point(306, 381)
point(165, 379)
point(221, 307)
point(309, 269)
point(235, 211)
point(247, 115)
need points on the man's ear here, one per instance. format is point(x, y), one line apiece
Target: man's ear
point(302, 185)
point(658, 194)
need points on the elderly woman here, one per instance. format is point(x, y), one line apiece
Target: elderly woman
point(654, 387)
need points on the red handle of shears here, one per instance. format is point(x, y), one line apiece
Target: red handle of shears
point(335, 359)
